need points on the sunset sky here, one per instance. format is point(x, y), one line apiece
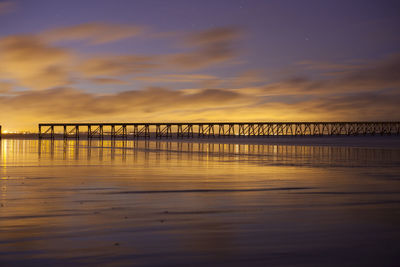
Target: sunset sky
point(219, 60)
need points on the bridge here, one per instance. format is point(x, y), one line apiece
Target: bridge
point(214, 129)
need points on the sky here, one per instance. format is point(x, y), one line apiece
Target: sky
point(209, 60)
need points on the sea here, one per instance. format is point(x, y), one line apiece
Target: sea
point(314, 201)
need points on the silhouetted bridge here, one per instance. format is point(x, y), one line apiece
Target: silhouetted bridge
point(215, 129)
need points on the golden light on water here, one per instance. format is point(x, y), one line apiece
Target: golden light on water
point(180, 194)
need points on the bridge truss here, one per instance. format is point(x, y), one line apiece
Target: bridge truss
point(215, 129)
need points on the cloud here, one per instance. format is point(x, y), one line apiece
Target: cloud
point(107, 81)
point(365, 91)
point(116, 65)
point(68, 104)
point(373, 76)
point(360, 107)
point(208, 47)
point(37, 62)
point(382, 74)
point(241, 80)
point(7, 7)
point(5, 87)
point(239, 104)
point(244, 79)
point(93, 33)
point(328, 66)
point(33, 63)
point(366, 106)
point(176, 78)
point(161, 104)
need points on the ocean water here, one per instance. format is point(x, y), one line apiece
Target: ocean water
point(170, 203)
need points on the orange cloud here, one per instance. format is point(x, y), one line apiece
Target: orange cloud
point(5, 87)
point(160, 104)
point(177, 78)
point(71, 104)
point(107, 81)
point(33, 63)
point(36, 62)
point(115, 65)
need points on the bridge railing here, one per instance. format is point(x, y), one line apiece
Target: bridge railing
point(214, 129)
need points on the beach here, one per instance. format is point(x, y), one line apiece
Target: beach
point(217, 202)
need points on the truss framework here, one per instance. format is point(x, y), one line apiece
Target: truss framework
point(217, 129)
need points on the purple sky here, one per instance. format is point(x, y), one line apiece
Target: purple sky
point(290, 51)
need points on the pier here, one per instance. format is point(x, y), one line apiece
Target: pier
point(214, 129)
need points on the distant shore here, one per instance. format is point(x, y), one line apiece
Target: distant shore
point(376, 141)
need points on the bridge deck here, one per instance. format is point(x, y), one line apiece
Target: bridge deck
point(214, 129)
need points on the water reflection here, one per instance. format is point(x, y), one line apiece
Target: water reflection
point(251, 153)
point(142, 202)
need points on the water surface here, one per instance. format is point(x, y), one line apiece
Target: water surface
point(168, 203)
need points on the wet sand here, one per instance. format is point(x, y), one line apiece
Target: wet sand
point(215, 203)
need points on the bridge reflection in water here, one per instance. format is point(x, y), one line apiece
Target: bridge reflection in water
point(293, 155)
point(217, 129)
